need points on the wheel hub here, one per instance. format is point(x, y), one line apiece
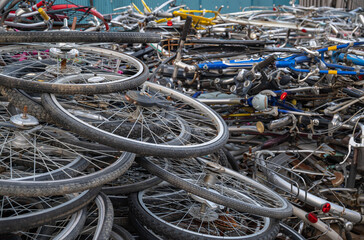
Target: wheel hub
point(67, 70)
point(141, 99)
point(24, 120)
point(208, 215)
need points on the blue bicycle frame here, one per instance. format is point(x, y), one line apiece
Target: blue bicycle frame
point(229, 64)
point(291, 62)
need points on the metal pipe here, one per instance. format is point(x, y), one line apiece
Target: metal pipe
point(216, 101)
point(274, 24)
point(279, 123)
point(22, 25)
point(25, 15)
point(244, 129)
point(320, 225)
point(313, 200)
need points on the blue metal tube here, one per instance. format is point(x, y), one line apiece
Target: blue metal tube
point(229, 64)
point(354, 59)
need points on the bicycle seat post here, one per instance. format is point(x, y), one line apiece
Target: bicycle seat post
point(181, 44)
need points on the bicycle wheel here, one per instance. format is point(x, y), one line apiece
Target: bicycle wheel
point(85, 70)
point(290, 232)
point(65, 229)
point(143, 232)
point(176, 215)
point(120, 233)
point(220, 185)
point(100, 218)
point(22, 213)
point(77, 37)
point(134, 180)
point(137, 178)
point(151, 120)
point(41, 160)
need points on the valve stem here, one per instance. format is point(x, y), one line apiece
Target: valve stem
point(25, 112)
point(63, 65)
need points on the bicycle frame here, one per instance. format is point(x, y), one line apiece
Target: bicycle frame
point(307, 197)
point(51, 9)
point(291, 62)
point(319, 225)
point(81, 9)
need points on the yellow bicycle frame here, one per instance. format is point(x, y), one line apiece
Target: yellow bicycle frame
point(196, 19)
point(201, 20)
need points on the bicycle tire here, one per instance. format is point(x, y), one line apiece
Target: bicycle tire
point(40, 218)
point(108, 218)
point(115, 236)
point(203, 115)
point(68, 232)
point(135, 186)
point(230, 158)
point(170, 231)
point(78, 37)
point(99, 220)
point(76, 83)
point(65, 229)
point(65, 186)
point(222, 158)
point(122, 232)
point(290, 232)
point(143, 232)
point(129, 188)
point(283, 211)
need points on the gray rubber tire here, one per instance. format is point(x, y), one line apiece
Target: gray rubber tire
point(65, 186)
point(77, 36)
point(40, 218)
point(278, 213)
point(77, 125)
point(170, 232)
point(118, 84)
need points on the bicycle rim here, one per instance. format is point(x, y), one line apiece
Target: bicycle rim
point(139, 112)
point(82, 69)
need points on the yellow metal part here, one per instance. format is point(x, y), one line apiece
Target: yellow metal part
point(240, 115)
point(146, 6)
point(137, 9)
point(249, 112)
point(332, 48)
point(333, 72)
point(163, 20)
point(248, 109)
point(196, 19)
point(43, 14)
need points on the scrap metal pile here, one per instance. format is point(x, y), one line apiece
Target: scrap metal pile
point(172, 123)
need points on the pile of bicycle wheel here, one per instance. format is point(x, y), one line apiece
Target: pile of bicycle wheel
point(82, 131)
point(174, 123)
